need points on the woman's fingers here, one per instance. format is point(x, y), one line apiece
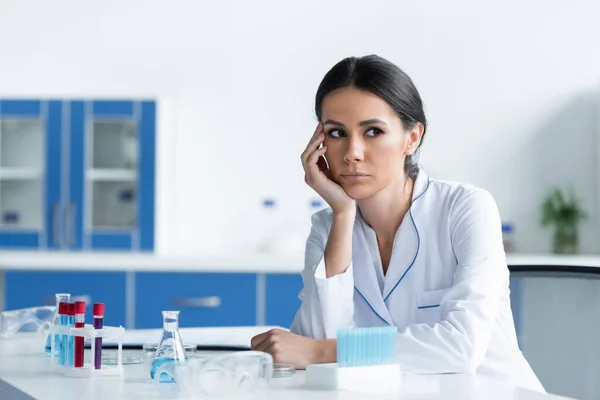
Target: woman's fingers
point(268, 341)
point(314, 143)
point(312, 173)
point(258, 340)
point(314, 157)
point(262, 341)
point(312, 146)
point(318, 129)
point(262, 346)
point(272, 349)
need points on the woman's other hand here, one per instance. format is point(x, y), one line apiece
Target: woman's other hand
point(289, 348)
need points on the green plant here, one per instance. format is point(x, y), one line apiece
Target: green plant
point(564, 213)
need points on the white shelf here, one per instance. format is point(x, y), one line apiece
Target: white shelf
point(118, 261)
point(112, 175)
point(20, 173)
point(242, 262)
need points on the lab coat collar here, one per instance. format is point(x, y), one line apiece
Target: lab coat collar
point(407, 242)
point(367, 260)
point(365, 274)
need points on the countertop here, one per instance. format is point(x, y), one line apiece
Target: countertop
point(24, 368)
point(250, 262)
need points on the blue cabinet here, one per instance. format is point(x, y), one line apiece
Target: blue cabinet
point(30, 184)
point(282, 298)
point(112, 150)
point(77, 174)
point(204, 299)
point(34, 288)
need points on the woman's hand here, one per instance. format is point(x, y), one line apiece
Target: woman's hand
point(318, 176)
point(289, 348)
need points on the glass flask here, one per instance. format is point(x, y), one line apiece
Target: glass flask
point(66, 297)
point(170, 348)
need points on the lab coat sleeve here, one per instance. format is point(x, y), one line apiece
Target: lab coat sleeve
point(457, 343)
point(327, 303)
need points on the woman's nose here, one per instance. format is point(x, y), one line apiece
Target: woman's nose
point(355, 151)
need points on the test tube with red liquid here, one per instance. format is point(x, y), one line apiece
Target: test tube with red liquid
point(79, 340)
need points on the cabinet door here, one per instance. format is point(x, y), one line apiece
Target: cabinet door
point(36, 288)
point(30, 162)
point(204, 299)
point(112, 175)
point(282, 298)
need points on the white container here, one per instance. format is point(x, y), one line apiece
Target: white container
point(89, 332)
point(367, 379)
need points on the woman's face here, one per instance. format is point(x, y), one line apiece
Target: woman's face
point(366, 141)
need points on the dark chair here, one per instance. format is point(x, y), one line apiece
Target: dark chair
point(557, 317)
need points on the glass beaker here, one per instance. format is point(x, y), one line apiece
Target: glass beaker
point(66, 297)
point(170, 347)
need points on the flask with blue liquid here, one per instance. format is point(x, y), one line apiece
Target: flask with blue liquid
point(171, 347)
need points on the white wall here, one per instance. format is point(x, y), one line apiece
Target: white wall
point(510, 91)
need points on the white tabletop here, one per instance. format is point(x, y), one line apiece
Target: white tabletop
point(24, 366)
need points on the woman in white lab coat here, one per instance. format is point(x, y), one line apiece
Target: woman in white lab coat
point(396, 247)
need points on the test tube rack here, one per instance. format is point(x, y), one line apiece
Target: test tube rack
point(89, 332)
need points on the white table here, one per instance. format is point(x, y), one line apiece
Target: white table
point(24, 366)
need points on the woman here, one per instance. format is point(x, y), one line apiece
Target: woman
point(396, 248)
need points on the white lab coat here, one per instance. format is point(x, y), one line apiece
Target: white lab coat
point(446, 287)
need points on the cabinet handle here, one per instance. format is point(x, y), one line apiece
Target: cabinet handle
point(198, 302)
point(71, 221)
point(57, 228)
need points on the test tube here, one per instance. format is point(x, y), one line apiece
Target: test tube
point(70, 341)
point(62, 339)
point(79, 340)
point(98, 324)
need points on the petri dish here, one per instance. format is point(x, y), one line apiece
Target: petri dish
point(281, 370)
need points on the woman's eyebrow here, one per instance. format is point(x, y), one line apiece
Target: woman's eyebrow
point(372, 121)
point(362, 123)
point(332, 122)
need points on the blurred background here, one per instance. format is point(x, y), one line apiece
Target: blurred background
point(511, 94)
point(150, 149)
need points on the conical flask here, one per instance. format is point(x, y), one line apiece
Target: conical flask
point(66, 297)
point(170, 347)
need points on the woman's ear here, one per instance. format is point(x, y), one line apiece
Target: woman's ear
point(414, 139)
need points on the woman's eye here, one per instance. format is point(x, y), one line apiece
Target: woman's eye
point(374, 132)
point(336, 133)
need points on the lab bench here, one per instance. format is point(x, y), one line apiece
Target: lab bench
point(25, 374)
